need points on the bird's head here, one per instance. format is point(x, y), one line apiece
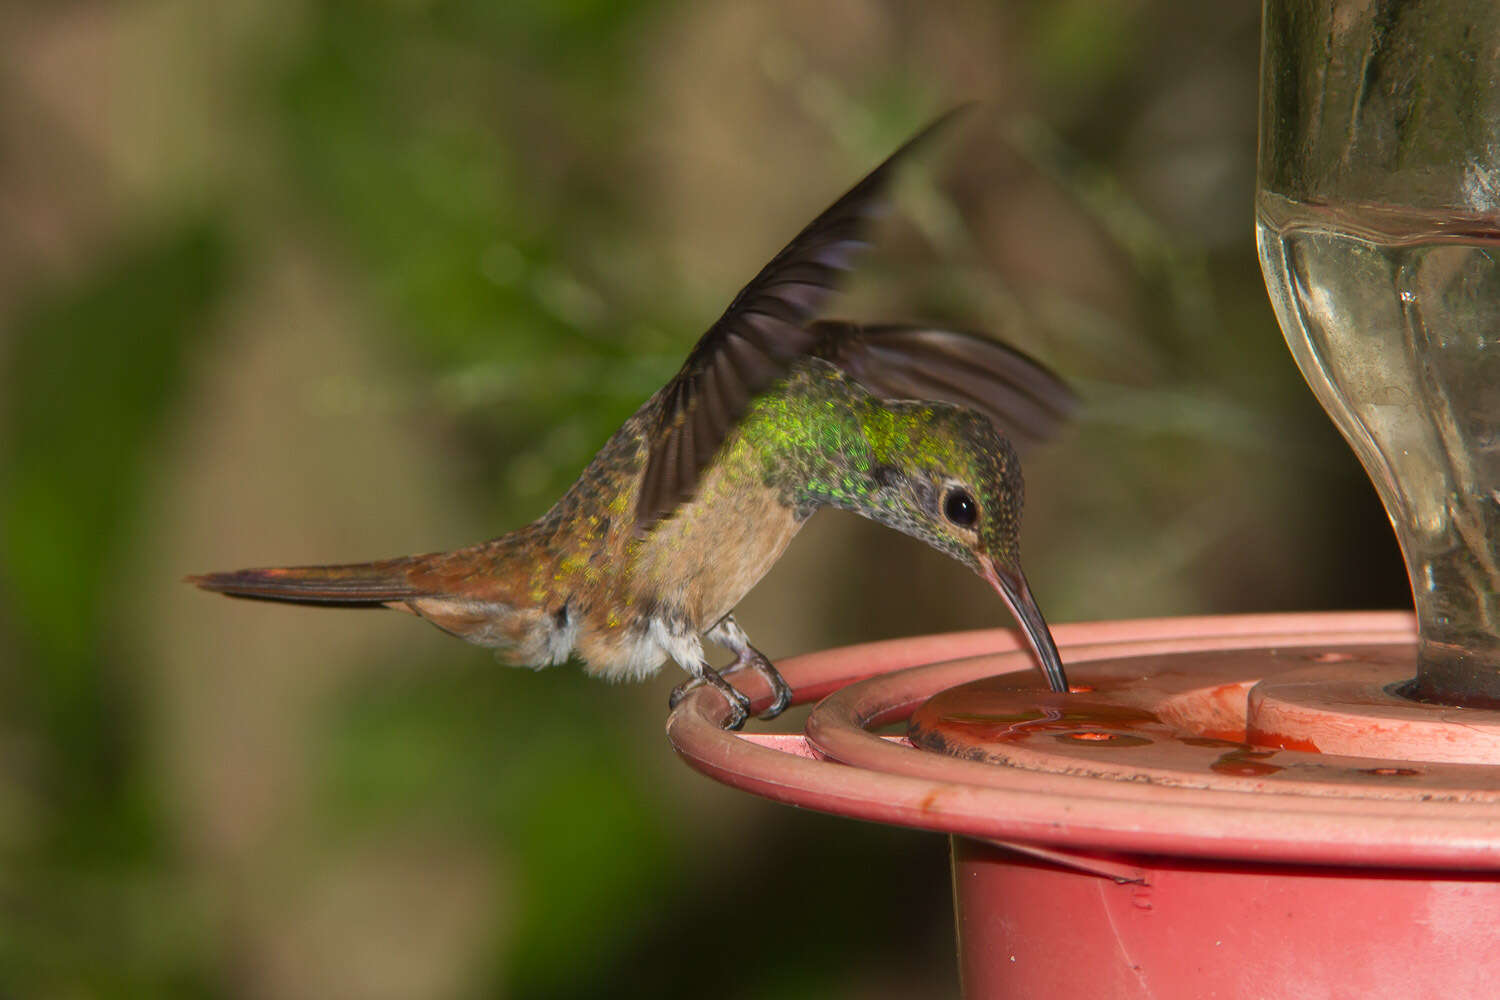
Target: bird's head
point(944, 474)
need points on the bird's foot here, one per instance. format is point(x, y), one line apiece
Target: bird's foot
point(739, 704)
point(781, 691)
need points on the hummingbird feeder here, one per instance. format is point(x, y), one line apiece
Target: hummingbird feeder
point(1298, 805)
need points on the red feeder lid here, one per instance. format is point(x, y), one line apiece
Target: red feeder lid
point(1262, 737)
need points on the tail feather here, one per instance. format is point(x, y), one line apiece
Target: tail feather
point(370, 583)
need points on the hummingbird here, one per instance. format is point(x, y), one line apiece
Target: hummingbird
point(774, 414)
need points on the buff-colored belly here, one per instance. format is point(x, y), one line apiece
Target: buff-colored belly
point(708, 556)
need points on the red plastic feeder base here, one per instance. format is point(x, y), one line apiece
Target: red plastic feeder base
point(1028, 928)
point(1229, 807)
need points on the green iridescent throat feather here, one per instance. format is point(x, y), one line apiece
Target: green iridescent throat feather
point(821, 439)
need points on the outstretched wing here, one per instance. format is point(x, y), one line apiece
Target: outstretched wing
point(754, 343)
point(1025, 401)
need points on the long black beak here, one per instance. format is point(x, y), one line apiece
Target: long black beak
point(1012, 586)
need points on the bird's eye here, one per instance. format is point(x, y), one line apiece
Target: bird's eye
point(960, 508)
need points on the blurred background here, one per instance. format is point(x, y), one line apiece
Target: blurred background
point(313, 280)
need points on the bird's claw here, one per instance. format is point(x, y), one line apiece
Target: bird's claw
point(781, 691)
point(739, 703)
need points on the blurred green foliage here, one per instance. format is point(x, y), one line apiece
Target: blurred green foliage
point(94, 369)
point(508, 199)
point(394, 121)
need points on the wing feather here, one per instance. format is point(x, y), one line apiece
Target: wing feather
point(1023, 399)
point(759, 337)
